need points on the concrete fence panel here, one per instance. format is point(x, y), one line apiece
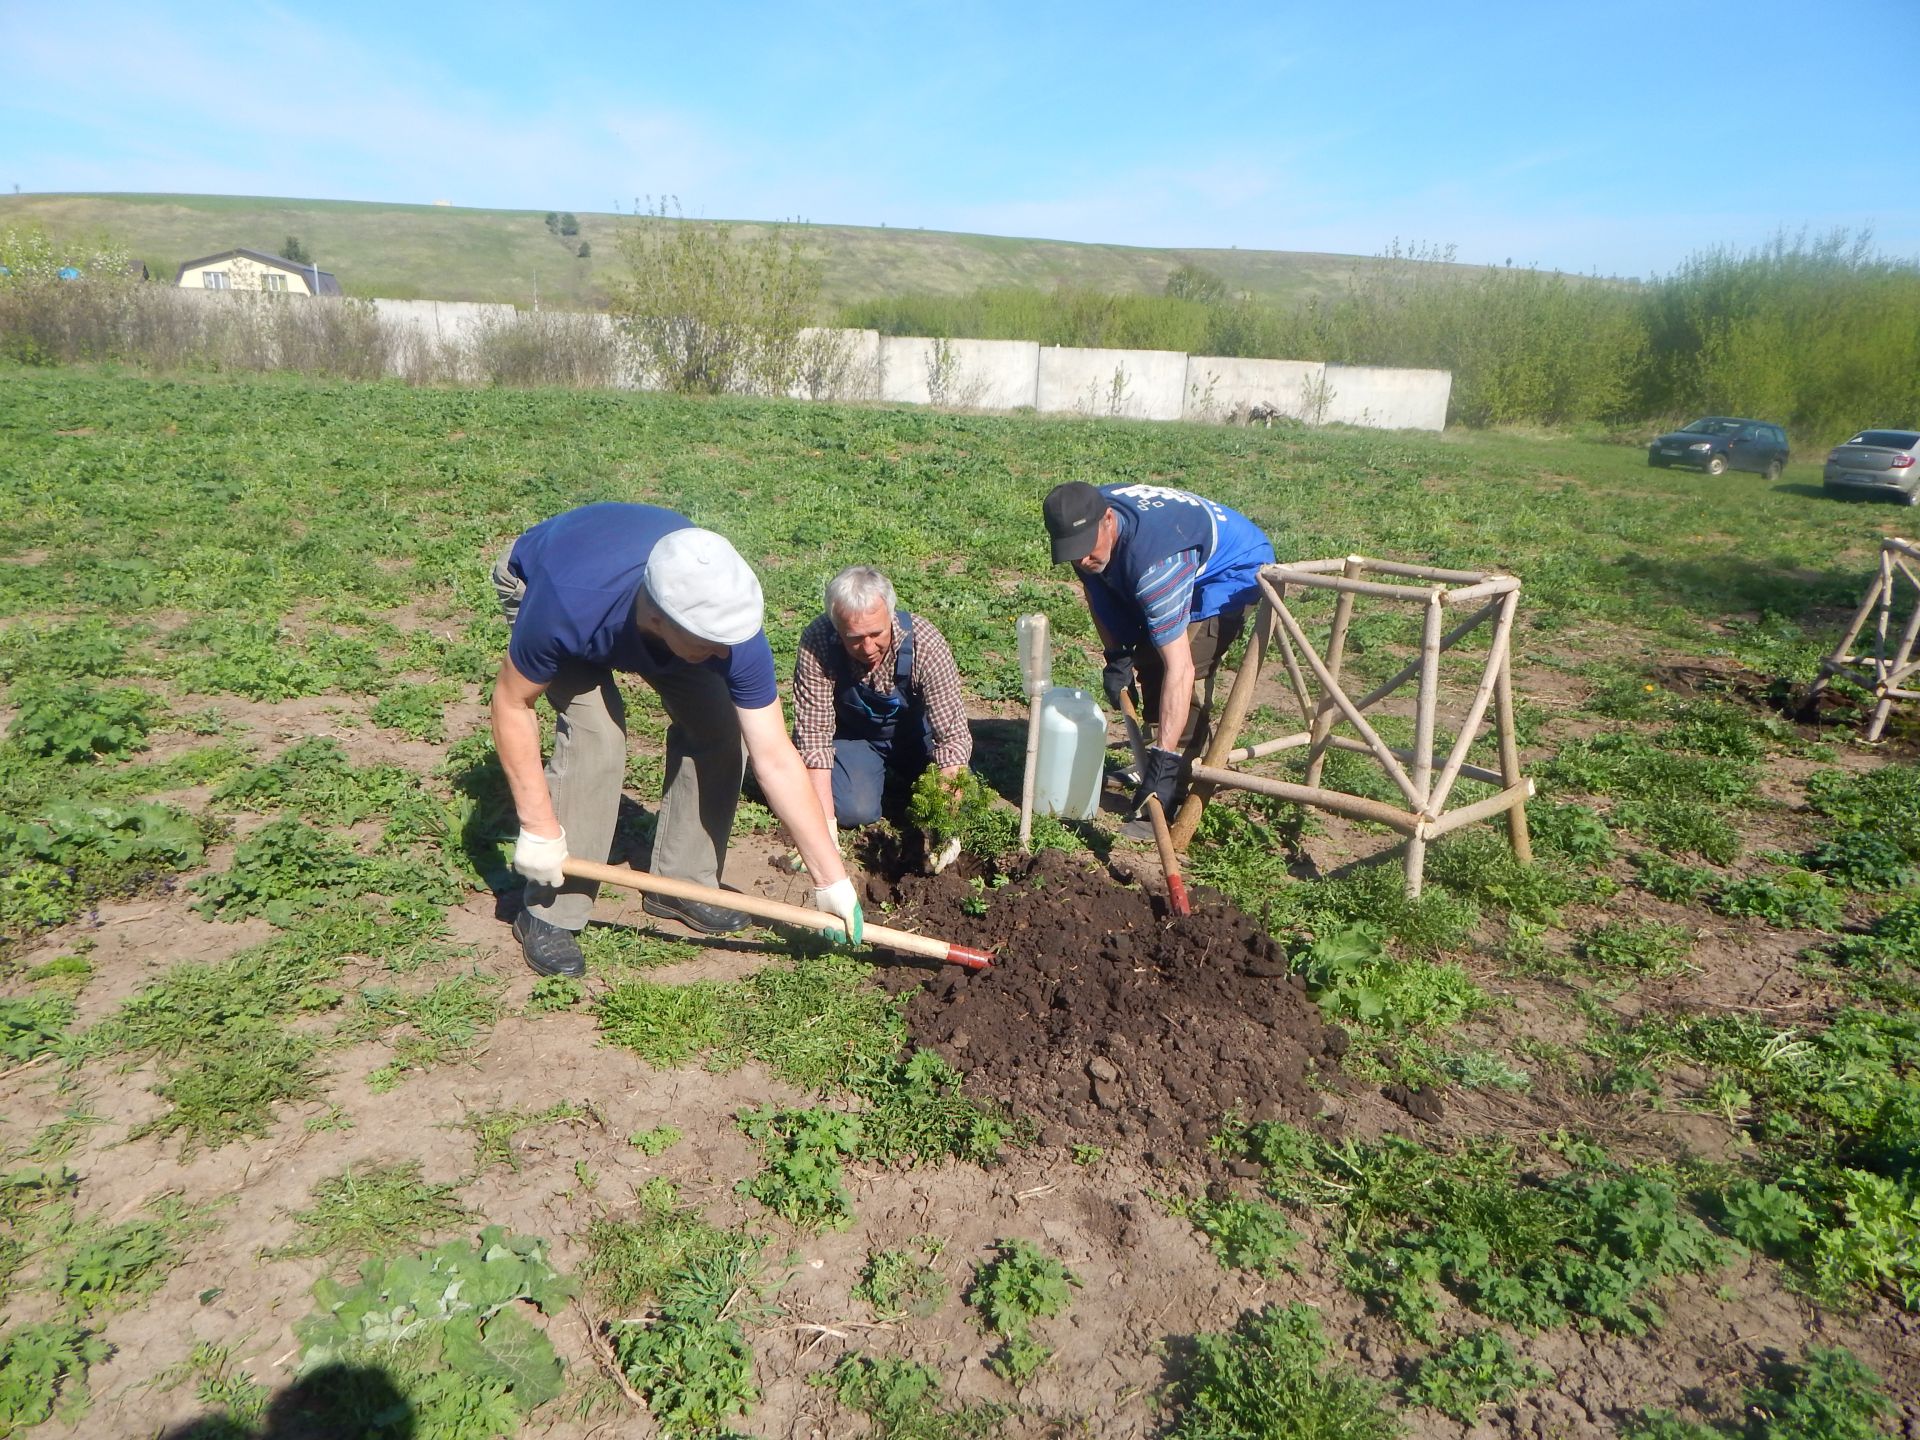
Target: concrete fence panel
point(1229, 387)
point(1381, 398)
point(959, 374)
point(838, 365)
point(904, 362)
point(1131, 384)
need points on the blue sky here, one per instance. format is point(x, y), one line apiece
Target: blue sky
point(1616, 138)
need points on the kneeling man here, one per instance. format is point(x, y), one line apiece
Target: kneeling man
point(876, 699)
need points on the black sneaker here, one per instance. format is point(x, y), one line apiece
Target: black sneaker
point(549, 949)
point(695, 914)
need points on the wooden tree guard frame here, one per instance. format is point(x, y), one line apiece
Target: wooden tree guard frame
point(1478, 596)
point(1885, 672)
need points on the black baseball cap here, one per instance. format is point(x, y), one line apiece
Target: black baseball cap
point(1073, 520)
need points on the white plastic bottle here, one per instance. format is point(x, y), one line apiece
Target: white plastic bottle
point(1036, 656)
point(1073, 748)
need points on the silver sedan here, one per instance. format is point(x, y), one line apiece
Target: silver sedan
point(1877, 462)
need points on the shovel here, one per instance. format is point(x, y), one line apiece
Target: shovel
point(1162, 836)
point(904, 941)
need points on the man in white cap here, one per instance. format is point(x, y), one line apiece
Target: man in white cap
point(635, 588)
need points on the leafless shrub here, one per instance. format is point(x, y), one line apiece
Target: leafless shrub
point(162, 328)
point(547, 347)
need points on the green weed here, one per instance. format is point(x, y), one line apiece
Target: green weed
point(656, 1141)
point(1650, 949)
point(1525, 1251)
point(1575, 833)
point(636, 1259)
point(447, 1323)
point(372, 1209)
point(1243, 1234)
point(71, 721)
point(1269, 1377)
point(97, 1266)
point(1865, 860)
point(555, 992)
point(1682, 827)
point(495, 1131)
point(1351, 976)
point(435, 1027)
point(1627, 767)
point(1022, 1285)
point(1474, 1372)
point(417, 711)
point(1788, 899)
point(902, 1401)
point(70, 854)
point(902, 1284)
point(802, 1181)
point(43, 1373)
point(283, 869)
point(231, 1091)
point(1881, 802)
point(314, 778)
point(32, 1026)
point(1668, 880)
point(194, 1005)
point(1830, 1395)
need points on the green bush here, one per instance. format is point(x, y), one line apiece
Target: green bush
point(73, 721)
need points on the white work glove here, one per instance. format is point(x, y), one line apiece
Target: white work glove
point(839, 899)
point(949, 853)
point(538, 858)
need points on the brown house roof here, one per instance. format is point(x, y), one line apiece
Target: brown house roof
point(324, 282)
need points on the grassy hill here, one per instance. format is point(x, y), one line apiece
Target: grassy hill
point(444, 252)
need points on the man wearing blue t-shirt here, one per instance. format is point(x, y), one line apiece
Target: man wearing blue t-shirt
point(635, 588)
point(1168, 576)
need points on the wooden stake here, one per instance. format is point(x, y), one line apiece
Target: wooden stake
point(1239, 701)
point(1517, 834)
point(1336, 655)
point(1427, 700)
point(1470, 728)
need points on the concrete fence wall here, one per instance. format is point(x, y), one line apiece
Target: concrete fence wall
point(1232, 387)
point(964, 374)
point(1380, 398)
point(1019, 374)
point(1126, 384)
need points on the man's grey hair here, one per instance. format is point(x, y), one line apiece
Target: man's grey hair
point(857, 589)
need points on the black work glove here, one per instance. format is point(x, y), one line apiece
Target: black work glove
point(1117, 678)
point(1161, 776)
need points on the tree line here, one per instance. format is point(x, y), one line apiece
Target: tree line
point(1821, 334)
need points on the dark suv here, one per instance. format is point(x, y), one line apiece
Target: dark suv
point(1718, 444)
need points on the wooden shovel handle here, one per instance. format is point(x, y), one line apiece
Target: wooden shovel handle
point(1170, 862)
point(778, 910)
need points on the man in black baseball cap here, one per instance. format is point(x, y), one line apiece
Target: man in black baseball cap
point(1074, 512)
point(1168, 576)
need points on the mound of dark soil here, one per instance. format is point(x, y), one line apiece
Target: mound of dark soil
point(1106, 1019)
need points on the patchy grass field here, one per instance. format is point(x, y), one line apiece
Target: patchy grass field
point(1627, 1143)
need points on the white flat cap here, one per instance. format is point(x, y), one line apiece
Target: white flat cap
point(701, 584)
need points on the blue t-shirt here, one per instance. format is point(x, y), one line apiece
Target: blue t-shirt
point(583, 570)
point(1139, 596)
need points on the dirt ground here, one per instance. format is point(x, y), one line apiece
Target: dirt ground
point(1111, 1023)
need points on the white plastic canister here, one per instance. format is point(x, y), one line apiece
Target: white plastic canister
point(1073, 748)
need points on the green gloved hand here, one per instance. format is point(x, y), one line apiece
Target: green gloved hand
point(840, 899)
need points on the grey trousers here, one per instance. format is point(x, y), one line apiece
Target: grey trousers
point(706, 761)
